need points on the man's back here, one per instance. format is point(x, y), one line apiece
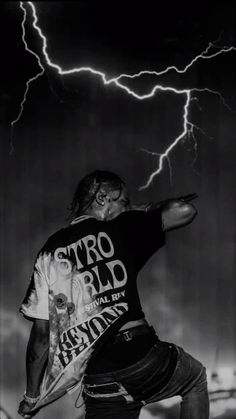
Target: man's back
point(84, 283)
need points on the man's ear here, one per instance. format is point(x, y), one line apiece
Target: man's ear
point(100, 198)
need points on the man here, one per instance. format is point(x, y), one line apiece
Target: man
point(88, 324)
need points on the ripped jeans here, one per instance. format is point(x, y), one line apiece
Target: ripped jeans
point(121, 394)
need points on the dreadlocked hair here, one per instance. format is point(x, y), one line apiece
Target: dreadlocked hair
point(89, 186)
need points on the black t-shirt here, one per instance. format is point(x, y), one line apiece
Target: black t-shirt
point(90, 267)
point(110, 254)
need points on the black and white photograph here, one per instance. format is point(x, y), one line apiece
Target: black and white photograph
point(118, 197)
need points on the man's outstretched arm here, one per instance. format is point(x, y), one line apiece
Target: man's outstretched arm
point(36, 361)
point(176, 212)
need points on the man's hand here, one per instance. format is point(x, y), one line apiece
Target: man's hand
point(178, 212)
point(25, 408)
point(151, 205)
point(170, 202)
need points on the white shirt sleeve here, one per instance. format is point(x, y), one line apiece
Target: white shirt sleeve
point(35, 303)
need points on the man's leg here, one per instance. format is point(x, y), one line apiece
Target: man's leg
point(106, 398)
point(99, 409)
point(195, 403)
point(188, 381)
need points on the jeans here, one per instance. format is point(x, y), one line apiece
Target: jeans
point(121, 394)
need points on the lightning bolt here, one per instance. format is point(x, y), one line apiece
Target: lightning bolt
point(211, 52)
point(30, 80)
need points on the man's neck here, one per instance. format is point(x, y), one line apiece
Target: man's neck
point(92, 213)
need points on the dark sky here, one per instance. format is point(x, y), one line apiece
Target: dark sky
point(74, 124)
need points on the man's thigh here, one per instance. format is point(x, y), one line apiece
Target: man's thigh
point(100, 409)
point(188, 372)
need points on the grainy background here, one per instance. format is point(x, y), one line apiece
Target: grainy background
point(74, 124)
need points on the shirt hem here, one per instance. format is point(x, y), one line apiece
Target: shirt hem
point(34, 315)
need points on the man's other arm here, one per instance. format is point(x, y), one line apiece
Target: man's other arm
point(36, 356)
point(36, 360)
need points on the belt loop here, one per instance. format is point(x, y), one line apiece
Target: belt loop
point(127, 335)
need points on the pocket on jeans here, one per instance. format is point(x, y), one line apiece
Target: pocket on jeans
point(106, 388)
point(113, 390)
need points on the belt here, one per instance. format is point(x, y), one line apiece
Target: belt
point(129, 334)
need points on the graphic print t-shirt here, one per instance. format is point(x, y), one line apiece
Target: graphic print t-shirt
point(84, 282)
